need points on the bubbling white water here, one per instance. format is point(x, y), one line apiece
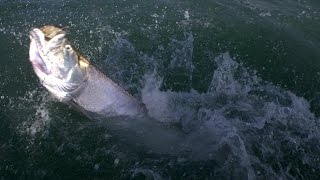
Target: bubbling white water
point(242, 123)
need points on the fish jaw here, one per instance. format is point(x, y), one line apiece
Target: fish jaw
point(49, 58)
point(36, 55)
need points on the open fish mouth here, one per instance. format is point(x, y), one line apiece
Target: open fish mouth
point(57, 64)
point(44, 41)
point(36, 55)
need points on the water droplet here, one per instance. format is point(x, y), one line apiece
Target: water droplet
point(116, 161)
point(96, 166)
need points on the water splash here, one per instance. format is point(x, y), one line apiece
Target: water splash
point(38, 122)
point(242, 123)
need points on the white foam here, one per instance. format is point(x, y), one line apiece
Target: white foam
point(264, 14)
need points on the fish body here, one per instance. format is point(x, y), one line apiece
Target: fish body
point(72, 79)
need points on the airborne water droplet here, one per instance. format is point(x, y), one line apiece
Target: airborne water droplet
point(116, 161)
point(96, 166)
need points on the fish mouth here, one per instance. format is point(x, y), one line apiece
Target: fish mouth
point(45, 48)
point(36, 55)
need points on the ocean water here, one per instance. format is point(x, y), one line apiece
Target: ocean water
point(232, 87)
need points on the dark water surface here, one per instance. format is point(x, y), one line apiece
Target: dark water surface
point(239, 78)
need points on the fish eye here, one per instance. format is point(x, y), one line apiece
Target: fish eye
point(68, 47)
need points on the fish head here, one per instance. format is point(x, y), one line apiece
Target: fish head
point(60, 68)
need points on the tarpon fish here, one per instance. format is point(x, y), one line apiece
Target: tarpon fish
point(72, 79)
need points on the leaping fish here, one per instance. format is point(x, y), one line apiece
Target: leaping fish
point(72, 79)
